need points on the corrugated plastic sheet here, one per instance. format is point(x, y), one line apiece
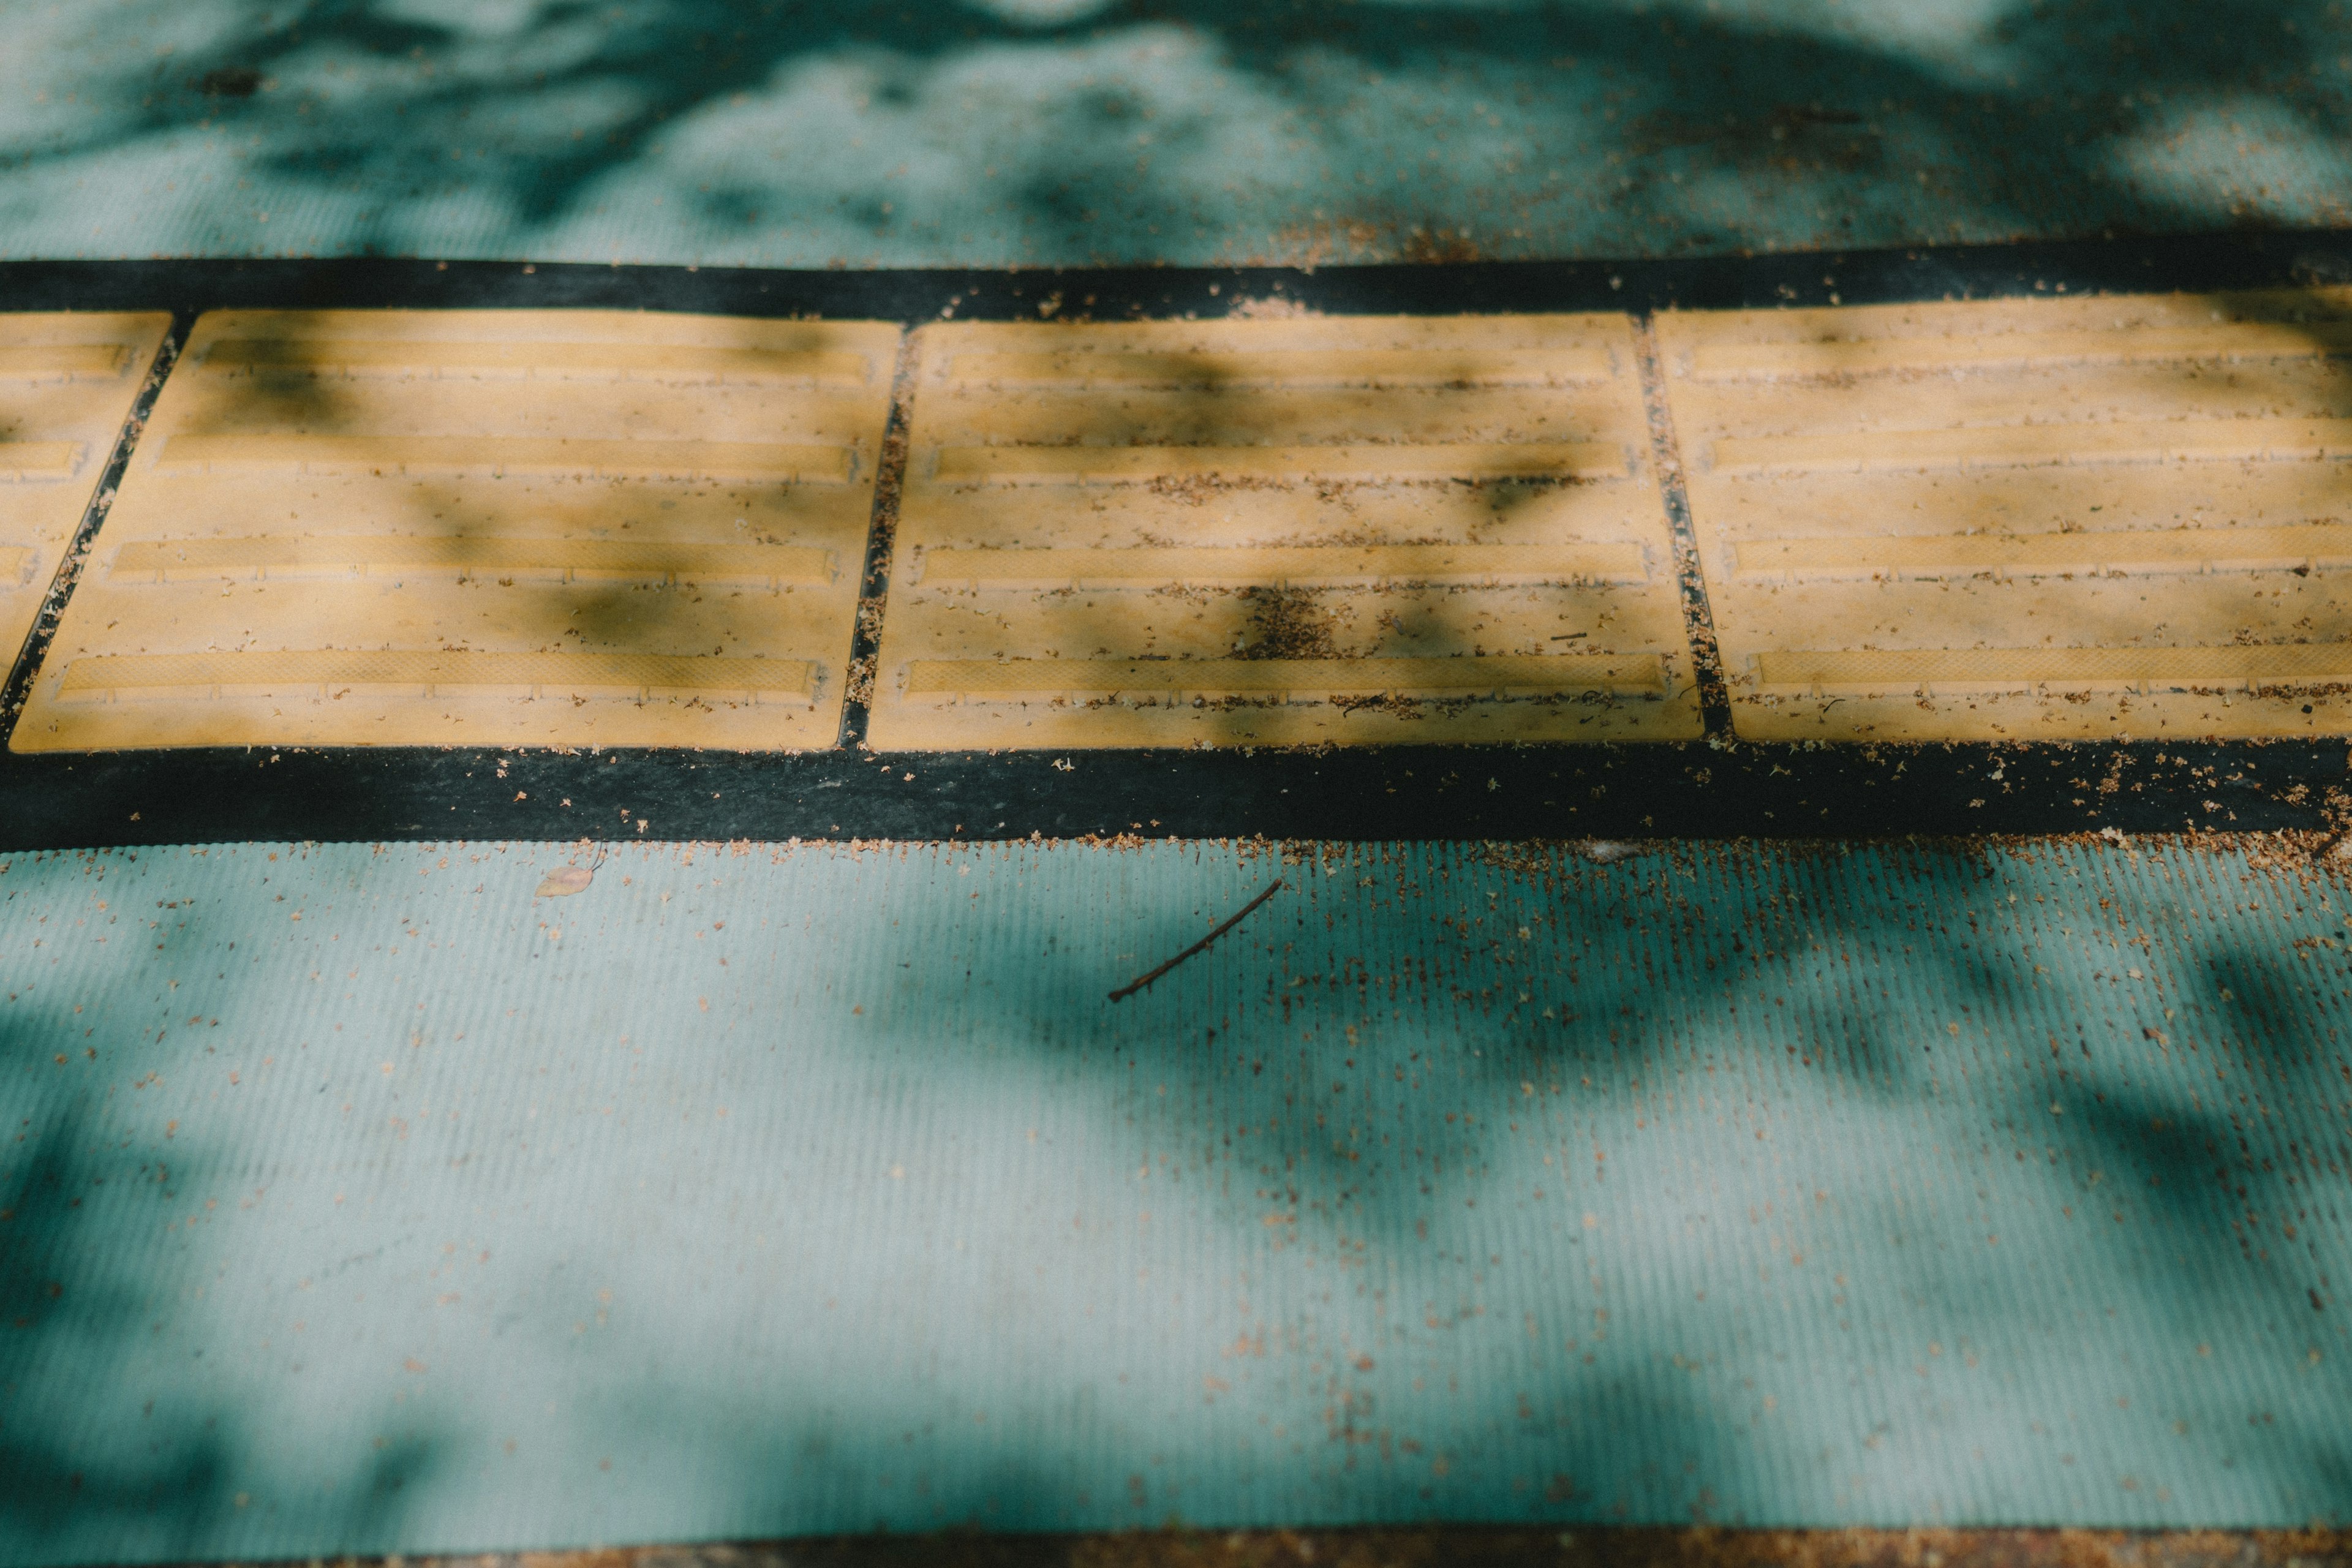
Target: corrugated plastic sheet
point(363, 1199)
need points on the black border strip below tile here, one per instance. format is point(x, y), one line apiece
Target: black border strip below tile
point(1714, 788)
point(1698, 790)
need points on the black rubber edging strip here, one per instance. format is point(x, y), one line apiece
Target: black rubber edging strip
point(2240, 259)
point(1712, 789)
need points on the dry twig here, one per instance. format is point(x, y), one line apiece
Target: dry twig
point(1139, 981)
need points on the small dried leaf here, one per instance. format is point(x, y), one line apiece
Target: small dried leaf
point(563, 881)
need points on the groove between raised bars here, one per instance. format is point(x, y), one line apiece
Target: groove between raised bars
point(1283, 367)
point(550, 454)
point(1364, 461)
point(1304, 565)
point(161, 677)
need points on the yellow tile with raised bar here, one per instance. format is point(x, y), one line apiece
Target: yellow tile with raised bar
point(497, 528)
point(2048, 519)
point(67, 384)
point(1306, 531)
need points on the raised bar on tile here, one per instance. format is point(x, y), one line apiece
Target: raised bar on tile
point(1642, 674)
point(2130, 550)
point(508, 454)
point(652, 362)
point(1862, 672)
point(2031, 445)
point(39, 459)
point(1308, 565)
point(63, 361)
point(168, 560)
point(175, 677)
point(2124, 346)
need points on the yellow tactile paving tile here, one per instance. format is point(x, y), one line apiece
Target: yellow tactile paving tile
point(1342, 530)
point(501, 528)
point(67, 384)
point(2051, 518)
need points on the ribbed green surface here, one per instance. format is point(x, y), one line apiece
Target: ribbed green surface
point(356, 1200)
point(1065, 132)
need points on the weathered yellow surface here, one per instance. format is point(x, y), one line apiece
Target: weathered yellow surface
point(502, 528)
point(1343, 531)
point(67, 384)
point(2048, 519)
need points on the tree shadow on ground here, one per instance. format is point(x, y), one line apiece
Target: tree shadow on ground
point(1320, 130)
point(117, 1439)
point(1458, 1182)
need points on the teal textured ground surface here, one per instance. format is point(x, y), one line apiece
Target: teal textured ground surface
point(1030, 132)
point(356, 1199)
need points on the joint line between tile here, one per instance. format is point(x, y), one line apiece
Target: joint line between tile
point(101, 501)
point(1698, 611)
point(873, 588)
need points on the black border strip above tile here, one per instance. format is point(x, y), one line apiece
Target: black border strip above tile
point(1701, 789)
point(2217, 261)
